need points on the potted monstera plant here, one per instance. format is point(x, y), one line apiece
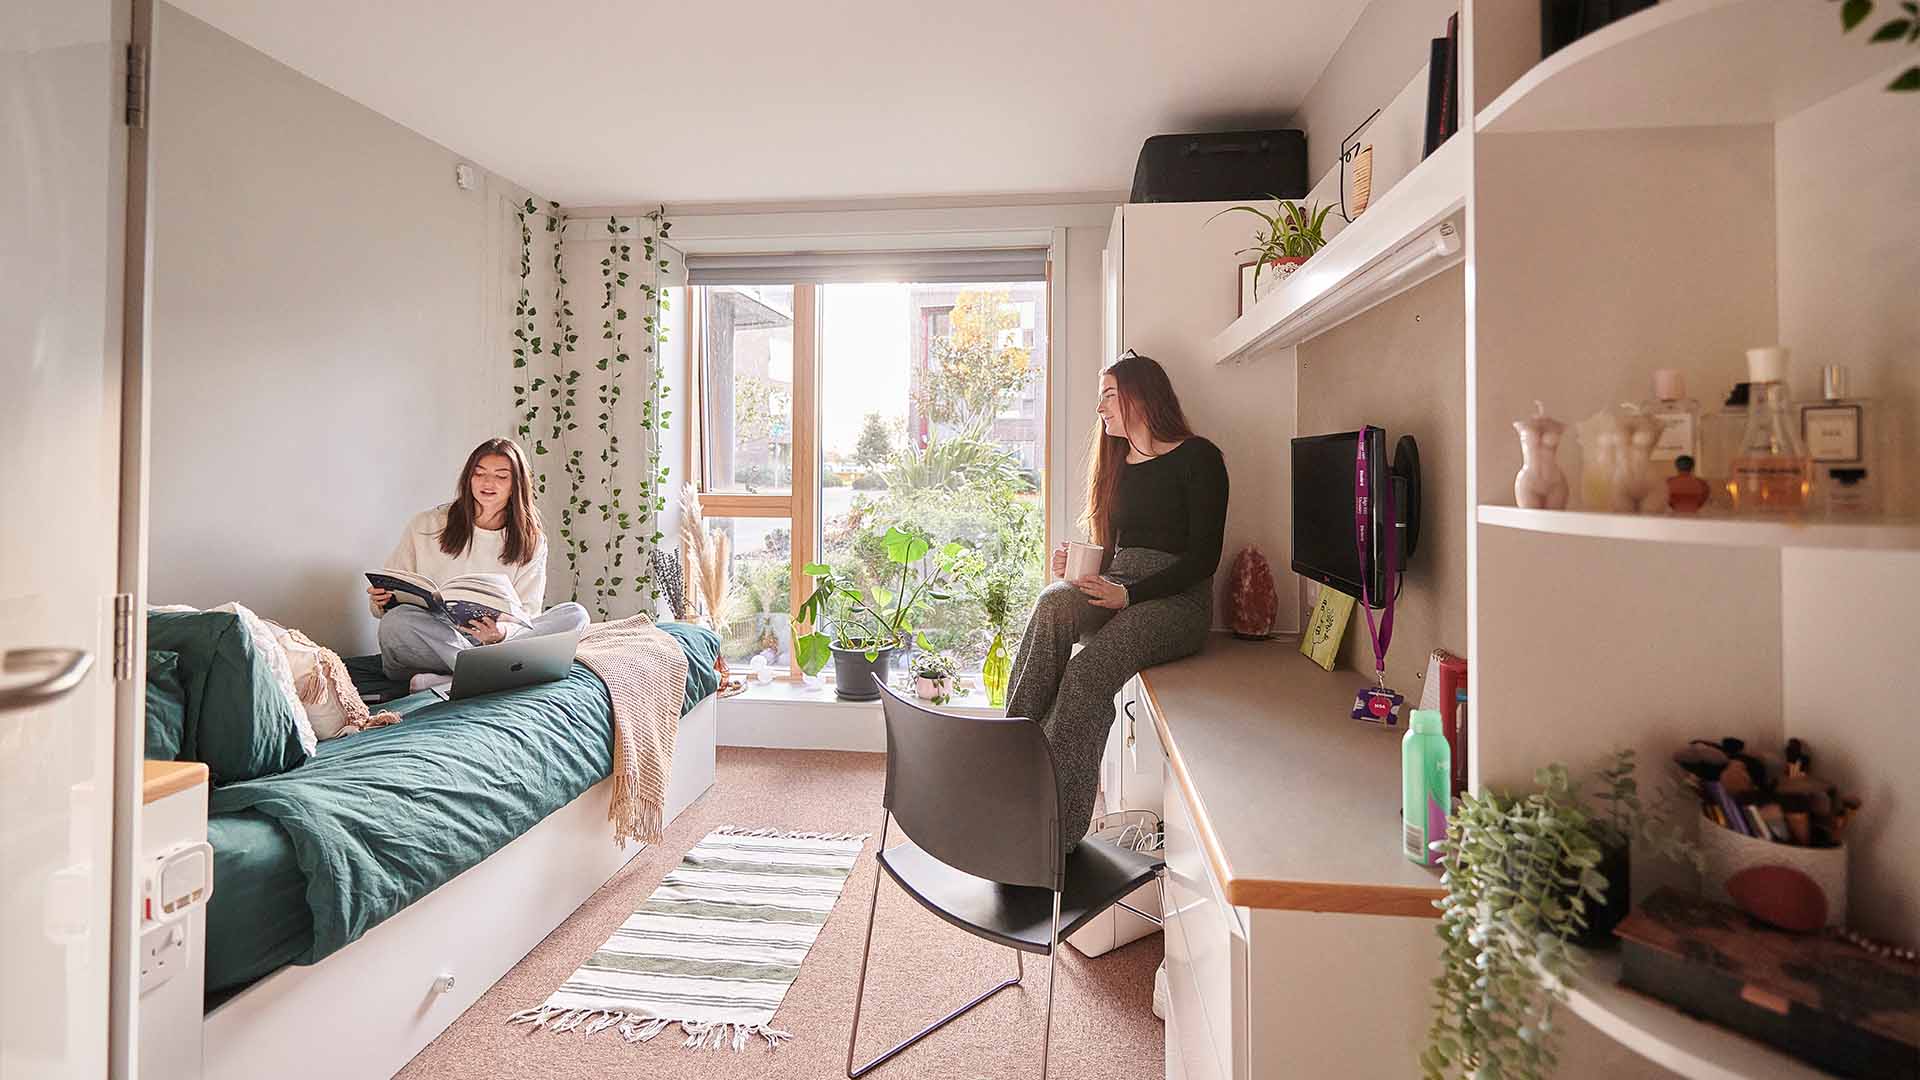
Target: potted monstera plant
point(860, 629)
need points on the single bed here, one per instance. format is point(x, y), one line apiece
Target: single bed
point(349, 889)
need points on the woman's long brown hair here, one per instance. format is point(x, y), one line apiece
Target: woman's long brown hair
point(1145, 397)
point(523, 521)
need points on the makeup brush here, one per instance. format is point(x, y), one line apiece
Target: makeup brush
point(1703, 760)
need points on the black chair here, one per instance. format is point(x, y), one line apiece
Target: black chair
point(977, 801)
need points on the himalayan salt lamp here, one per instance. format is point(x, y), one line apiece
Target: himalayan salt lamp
point(1254, 601)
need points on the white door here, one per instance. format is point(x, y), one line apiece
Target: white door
point(63, 165)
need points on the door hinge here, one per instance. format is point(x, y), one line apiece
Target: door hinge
point(137, 85)
point(122, 637)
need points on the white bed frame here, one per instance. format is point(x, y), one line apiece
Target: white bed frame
point(365, 1011)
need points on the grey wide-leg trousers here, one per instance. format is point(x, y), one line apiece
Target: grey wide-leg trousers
point(413, 640)
point(1071, 694)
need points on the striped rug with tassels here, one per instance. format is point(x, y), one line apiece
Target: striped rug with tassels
point(716, 945)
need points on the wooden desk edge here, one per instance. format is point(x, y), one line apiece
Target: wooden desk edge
point(1269, 894)
point(160, 779)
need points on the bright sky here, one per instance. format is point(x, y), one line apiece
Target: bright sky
point(865, 367)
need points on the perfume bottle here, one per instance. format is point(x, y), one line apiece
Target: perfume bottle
point(1845, 492)
point(1720, 433)
point(1686, 493)
point(1770, 470)
point(1839, 432)
point(1679, 413)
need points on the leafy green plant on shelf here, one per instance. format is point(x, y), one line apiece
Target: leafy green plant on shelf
point(1291, 234)
point(879, 618)
point(1527, 876)
point(1902, 28)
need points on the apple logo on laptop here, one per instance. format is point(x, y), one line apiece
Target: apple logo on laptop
point(517, 667)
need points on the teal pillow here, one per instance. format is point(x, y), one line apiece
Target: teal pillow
point(166, 706)
point(237, 720)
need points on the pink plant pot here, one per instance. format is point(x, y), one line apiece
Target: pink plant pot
point(929, 689)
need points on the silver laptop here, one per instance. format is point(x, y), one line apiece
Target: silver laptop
point(517, 662)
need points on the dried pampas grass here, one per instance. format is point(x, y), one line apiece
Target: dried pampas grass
point(706, 559)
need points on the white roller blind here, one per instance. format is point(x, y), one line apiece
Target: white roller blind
point(830, 267)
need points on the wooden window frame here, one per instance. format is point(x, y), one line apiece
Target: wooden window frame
point(801, 505)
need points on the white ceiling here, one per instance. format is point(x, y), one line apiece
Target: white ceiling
point(602, 102)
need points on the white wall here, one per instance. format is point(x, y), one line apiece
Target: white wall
point(1844, 175)
point(323, 349)
point(1846, 186)
point(1388, 43)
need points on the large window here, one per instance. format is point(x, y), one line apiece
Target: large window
point(832, 412)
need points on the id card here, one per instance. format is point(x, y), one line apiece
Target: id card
point(1377, 705)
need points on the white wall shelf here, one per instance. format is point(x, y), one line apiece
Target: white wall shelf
point(1386, 251)
point(1872, 534)
point(1686, 63)
point(1663, 1034)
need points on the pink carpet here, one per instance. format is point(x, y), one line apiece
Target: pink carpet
point(1103, 1020)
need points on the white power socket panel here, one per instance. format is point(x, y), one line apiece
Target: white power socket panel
point(163, 954)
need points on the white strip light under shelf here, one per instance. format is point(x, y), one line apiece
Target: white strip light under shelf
point(1400, 269)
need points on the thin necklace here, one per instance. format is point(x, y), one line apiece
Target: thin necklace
point(1135, 447)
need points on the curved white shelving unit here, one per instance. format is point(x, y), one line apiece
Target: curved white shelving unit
point(1666, 1036)
point(1685, 63)
point(1409, 234)
point(1873, 534)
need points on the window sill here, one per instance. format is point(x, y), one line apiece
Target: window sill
point(782, 692)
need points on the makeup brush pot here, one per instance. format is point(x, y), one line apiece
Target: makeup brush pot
point(1729, 853)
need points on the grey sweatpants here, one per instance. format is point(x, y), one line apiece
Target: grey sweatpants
point(1071, 694)
point(413, 640)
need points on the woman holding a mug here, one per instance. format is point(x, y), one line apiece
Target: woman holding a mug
point(1157, 505)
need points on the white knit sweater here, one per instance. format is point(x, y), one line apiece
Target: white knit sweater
point(419, 551)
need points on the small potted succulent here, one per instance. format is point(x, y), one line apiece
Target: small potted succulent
point(865, 627)
point(1291, 235)
point(933, 677)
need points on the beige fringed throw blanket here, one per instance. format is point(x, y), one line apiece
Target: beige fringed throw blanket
point(646, 675)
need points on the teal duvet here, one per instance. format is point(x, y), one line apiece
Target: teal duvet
point(308, 860)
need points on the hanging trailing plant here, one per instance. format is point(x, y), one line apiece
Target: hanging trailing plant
point(614, 275)
point(560, 391)
point(651, 498)
point(527, 349)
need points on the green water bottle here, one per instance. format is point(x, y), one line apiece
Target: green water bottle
point(1425, 768)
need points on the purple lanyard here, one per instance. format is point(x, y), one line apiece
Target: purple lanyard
point(1382, 634)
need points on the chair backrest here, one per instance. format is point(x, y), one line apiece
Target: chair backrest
point(976, 792)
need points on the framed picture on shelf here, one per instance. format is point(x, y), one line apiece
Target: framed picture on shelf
point(1246, 288)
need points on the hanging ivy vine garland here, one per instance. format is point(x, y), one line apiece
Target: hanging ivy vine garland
point(566, 376)
point(653, 417)
point(527, 345)
point(613, 276)
point(552, 433)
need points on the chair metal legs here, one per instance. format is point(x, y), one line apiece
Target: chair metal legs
point(1053, 950)
point(1019, 969)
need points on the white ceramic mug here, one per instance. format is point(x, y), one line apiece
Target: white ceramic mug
point(1083, 560)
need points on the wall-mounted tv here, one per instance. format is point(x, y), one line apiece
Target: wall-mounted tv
point(1325, 539)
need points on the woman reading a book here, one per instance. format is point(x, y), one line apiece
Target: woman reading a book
point(490, 528)
point(1157, 504)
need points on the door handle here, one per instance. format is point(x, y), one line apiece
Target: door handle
point(60, 670)
point(1131, 720)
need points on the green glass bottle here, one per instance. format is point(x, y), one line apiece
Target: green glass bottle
point(996, 671)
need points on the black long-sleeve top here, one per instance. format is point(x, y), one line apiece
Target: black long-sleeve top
point(1176, 503)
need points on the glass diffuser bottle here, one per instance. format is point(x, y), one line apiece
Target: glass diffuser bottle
point(1771, 472)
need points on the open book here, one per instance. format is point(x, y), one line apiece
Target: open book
point(460, 600)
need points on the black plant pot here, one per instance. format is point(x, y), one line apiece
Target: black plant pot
point(1616, 867)
point(854, 674)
